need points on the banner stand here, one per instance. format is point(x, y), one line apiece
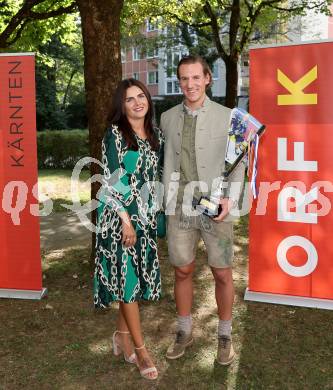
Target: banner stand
point(20, 261)
point(290, 300)
point(290, 246)
point(23, 294)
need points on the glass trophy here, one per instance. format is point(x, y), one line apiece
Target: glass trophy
point(243, 131)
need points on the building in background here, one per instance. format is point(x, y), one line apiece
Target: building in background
point(141, 64)
point(156, 67)
point(311, 27)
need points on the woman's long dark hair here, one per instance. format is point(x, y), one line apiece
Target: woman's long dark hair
point(119, 118)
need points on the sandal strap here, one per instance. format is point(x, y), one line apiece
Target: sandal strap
point(142, 346)
point(148, 370)
point(131, 358)
point(122, 332)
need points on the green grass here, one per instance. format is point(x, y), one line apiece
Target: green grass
point(56, 185)
point(62, 342)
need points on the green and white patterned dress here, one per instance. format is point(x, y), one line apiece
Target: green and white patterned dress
point(130, 182)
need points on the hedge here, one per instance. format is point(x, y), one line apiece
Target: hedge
point(61, 148)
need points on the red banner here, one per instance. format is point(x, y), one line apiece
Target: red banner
point(20, 262)
point(291, 92)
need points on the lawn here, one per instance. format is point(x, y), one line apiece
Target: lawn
point(62, 342)
point(56, 185)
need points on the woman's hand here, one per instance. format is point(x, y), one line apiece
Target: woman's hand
point(128, 233)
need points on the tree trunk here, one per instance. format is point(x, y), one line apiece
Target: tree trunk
point(231, 68)
point(102, 71)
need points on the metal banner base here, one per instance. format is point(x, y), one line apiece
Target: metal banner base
point(288, 300)
point(23, 294)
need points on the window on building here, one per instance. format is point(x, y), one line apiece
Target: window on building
point(246, 63)
point(176, 59)
point(172, 87)
point(152, 52)
point(136, 53)
point(193, 35)
point(176, 86)
point(172, 60)
point(215, 70)
point(169, 87)
point(257, 35)
point(123, 55)
point(169, 69)
point(153, 77)
point(152, 25)
point(136, 76)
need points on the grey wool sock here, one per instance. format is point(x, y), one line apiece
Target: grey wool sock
point(184, 323)
point(224, 328)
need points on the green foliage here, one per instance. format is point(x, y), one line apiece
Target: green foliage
point(76, 117)
point(59, 77)
point(57, 42)
point(202, 15)
point(48, 113)
point(37, 32)
point(61, 148)
point(161, 106)
point(224, 28)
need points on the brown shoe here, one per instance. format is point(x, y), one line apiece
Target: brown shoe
point(177, 348)
point(225, 351)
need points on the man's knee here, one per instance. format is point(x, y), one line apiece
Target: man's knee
point(223, 275)
point(184, 272)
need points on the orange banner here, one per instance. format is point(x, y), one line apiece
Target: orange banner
point(291, 92)
point(20, 262)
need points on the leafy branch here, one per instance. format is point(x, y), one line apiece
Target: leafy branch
point(25, 15)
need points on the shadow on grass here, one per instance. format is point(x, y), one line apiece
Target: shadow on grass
point(60, 204)
point(63, 230)
point(64, 343)
point(285, 347)
point(241, 236)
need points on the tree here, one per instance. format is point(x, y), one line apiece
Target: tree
point(100, 22)
point(59, 82)
point(102, 70)
point(52, 32)
point(23, 23)
point(229, 24)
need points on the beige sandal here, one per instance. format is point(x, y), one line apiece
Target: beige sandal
point(146, 371)
point(117, 349)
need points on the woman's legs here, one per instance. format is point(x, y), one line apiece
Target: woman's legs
point(131, 315)
point(123, 337)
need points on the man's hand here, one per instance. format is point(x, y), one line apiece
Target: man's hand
point(227, 205)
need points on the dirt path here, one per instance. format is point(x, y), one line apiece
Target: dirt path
point(62, 231)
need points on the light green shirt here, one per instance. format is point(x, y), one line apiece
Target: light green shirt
point(188, 162)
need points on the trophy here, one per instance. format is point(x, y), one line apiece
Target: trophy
point(243, 135)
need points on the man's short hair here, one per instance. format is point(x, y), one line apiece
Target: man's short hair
point(187, 60)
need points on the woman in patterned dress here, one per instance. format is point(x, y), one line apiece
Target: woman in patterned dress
point(127, 267)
